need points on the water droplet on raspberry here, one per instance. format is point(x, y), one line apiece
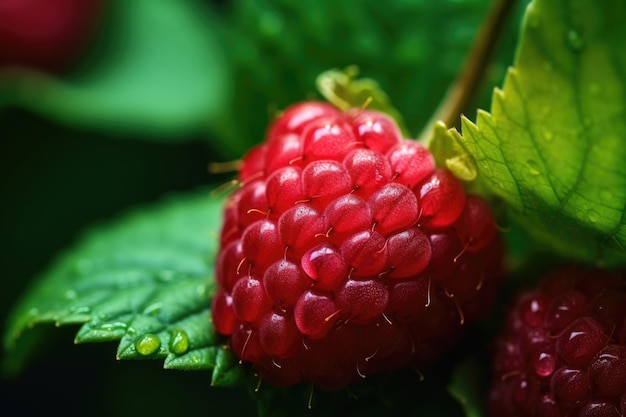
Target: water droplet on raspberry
point(300, 228)
point(378, 131)
point(223, 313)
point(325, 265)
point(607, 372)
point(315, 314)
point(543, 362)
point(409, 253)
point(533, 310)
point(362, 301)
point(278, 335)
point(346, 216)
point(369, 171)
point(442, 199)
point(365, 252)
point(410, 163)
point(323, 181)
point(327, 138)
point(284, 189)
point(394, 207)
point(284, 282)
point(250, 302)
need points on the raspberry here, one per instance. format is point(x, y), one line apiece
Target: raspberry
point(563, 350)
point(46, 35)
point(346, 252)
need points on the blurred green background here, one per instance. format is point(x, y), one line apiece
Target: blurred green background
point(137, 99)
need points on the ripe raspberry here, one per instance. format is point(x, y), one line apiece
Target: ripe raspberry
point(346, 252)
point(46, 35)
point(563, 350)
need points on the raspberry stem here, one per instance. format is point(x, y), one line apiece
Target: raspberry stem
point(466, 85)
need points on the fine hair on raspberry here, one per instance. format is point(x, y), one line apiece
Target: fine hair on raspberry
point(346, 252)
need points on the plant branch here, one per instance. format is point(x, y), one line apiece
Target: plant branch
point(467, 83)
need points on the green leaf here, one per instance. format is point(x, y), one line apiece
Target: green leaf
point(145, 280)
point(553, 145)
point(158, 70)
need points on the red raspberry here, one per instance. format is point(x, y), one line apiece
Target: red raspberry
point(346, 252)
point(563, 350)
point(46, 35)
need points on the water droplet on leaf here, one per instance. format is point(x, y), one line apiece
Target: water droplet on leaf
point(83, 266)
point(497, 184)
point(594, 88)
point(533, 167)
point(166, 275)
point(117, 325)
point(179, 343)
point(592, 216)
point(533, 21)
point(80, 310)
point(153, 309)
point(148, 344)
point(575, 41)
point(202, 291)
point(548, 136)
point(606, 194)
point(270, 25)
